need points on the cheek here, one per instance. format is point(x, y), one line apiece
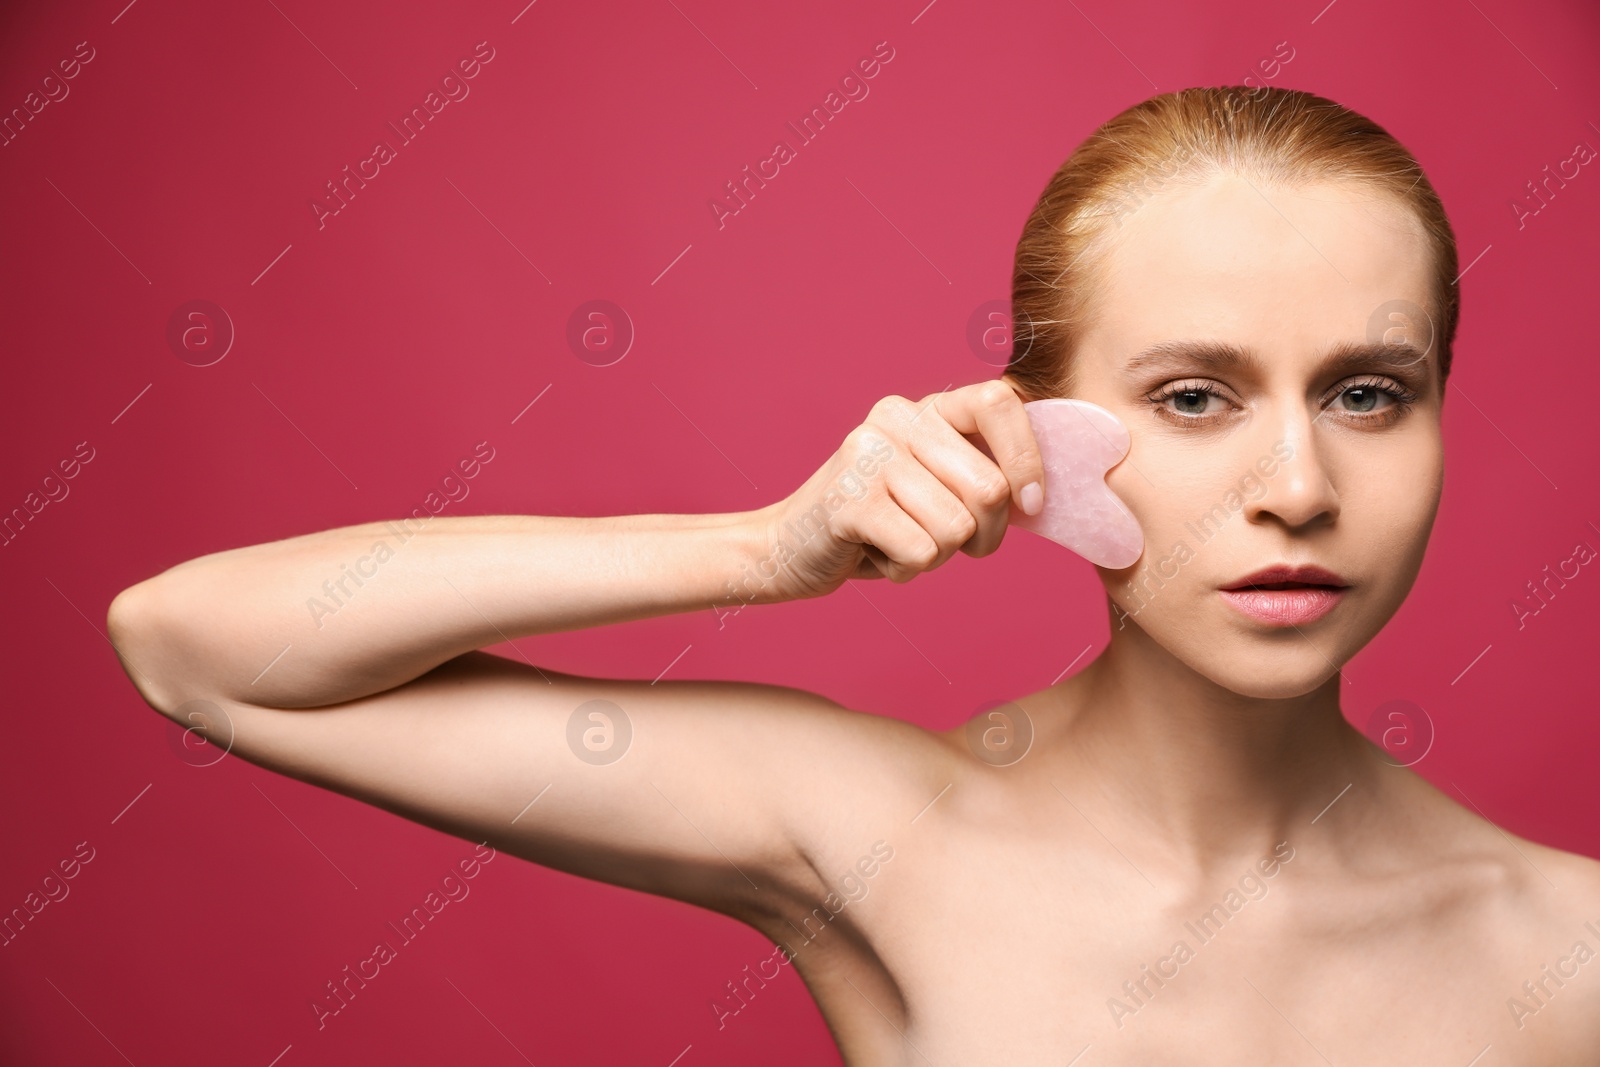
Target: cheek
point(1390, 501)
point(1169, 490)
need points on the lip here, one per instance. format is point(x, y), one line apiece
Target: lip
point(1305, 574)
point(1303, 595)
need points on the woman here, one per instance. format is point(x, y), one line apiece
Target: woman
point(1180, 853)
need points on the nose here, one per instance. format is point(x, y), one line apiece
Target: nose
point(1299, 490)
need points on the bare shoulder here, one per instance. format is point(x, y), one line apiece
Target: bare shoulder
point(1555, 1004)
point(1576, 877)
point(871, 774)
point(1535, 879)
point(1563, 892)
point(1533, 913)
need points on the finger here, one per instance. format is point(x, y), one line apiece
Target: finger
point(994, 411)
point(930, 502)
point(904, 545)
point(969, 475)
point(873, 563)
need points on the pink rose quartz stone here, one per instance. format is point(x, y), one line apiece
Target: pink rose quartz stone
point(1080, 442)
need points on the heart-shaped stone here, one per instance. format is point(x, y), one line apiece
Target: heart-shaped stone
point(1080, 442)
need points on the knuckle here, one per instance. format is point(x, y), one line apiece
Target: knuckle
point(900, 573)
point(963, 527)
point(995, 393)
point(991, 544)
point(992, 489)
point(892, 407)
point(868, 439)
point(1030, 462)
point(979, 549)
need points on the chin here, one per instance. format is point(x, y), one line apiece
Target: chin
point(1278, 664)
point(1281, 672)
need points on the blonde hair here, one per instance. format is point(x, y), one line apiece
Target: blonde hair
point(1281, 136)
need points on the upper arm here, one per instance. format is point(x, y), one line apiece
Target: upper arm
point(712, 792)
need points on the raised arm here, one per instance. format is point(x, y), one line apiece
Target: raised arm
point(348, 659)
point(354, 611)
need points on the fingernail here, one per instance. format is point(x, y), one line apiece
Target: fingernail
point(1032, 498)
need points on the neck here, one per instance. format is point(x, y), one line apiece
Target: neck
point(1204, 775)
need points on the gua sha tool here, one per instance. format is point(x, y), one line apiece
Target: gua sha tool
point(1080, 442)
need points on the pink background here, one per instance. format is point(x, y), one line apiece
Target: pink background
point(374, 352)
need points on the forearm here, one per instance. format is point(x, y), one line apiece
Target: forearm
point(361, 609)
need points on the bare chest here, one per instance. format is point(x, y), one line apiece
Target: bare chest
point(1020, 961)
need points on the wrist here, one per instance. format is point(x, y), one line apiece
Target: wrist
point(756, 562)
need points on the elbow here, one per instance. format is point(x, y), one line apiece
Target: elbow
point(125, 621)
point(120, 615)
point(135, 624)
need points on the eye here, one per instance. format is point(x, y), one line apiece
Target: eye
point(1189, 403)
point(1377, 400)
point(1365, 398)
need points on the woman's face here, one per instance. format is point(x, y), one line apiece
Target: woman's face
point(1289, 455)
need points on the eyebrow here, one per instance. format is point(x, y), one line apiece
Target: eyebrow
point(1222, 356)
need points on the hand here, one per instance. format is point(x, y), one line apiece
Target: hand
point(905, 491)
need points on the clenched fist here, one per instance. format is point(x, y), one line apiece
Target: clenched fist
point(905, 491)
